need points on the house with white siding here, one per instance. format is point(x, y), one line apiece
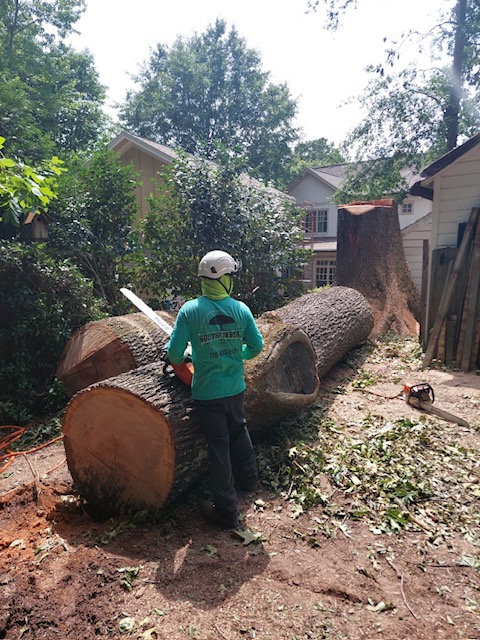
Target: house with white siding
point(453, 185)
point(314, 191)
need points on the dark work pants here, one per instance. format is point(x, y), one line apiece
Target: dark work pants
point(229, 447)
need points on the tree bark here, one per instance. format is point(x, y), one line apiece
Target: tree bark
point(109, 347)
point(370, 259)
point(336, 320)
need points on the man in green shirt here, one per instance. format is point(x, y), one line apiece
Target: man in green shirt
point(222, 333)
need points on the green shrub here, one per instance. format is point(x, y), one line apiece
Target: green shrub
point(42, 302)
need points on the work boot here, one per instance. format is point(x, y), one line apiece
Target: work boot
point(224, 519)
point(246, 485)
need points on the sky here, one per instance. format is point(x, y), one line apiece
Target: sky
point(323, 70)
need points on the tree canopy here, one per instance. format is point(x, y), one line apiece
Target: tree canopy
point(314, 153)
point(24, 188)
point(414, 114)
point(209, 92)
point(50, 96)
point(93, 221)
point(200, 206)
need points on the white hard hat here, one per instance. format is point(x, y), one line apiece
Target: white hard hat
point(216, 264)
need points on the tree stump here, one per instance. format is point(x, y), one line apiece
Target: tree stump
point(132, 442)
point(371, 259)
point(336, 320)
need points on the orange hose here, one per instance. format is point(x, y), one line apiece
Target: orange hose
point(12, 437)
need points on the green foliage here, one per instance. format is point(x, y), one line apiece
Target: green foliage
point(23, 188)
point(402, 473)
point(42, 302)
point(199, 207)
point(375, 179)
point(50, 94)
point(414, 113)
point(209, 92)
point(93, 222)
point(406, 115)
point(44, 430)
point(314, 153)
point(334, 9)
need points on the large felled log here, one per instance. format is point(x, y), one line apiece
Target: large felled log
point(132, 442)
point(336, 320)
point(106, 348)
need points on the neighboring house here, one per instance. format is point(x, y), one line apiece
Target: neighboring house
point(453, 185)
point(314, 191)
point(148, 158)
point(414, 237)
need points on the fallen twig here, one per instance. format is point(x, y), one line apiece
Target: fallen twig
point(400, 576)
point(5, 496)
point(36, 480)
point(219, 632)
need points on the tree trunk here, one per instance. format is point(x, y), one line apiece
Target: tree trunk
point(370, 259)
point(132, 442)
point(336, 320)
point(109, 347)
point(452, 110)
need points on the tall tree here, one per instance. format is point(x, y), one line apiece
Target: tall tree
point(50, 95)
point(200, 206)
point(93, 221)
point(314, 153)
point(451, 92)
point(209, 92)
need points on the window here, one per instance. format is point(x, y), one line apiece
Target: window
point(316, 221)
point(324, 272)
point(407, 208)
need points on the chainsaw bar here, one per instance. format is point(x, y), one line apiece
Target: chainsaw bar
point(183, 371)
point(429, 408)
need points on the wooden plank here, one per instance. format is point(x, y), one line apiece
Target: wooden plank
point(471, 299)
point(450, 287)
point(475, 355)
point(442, 343)
point(441, 267)
point(450, 340)
point(423, 294)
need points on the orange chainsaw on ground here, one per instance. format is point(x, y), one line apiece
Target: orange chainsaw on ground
point(183, 371)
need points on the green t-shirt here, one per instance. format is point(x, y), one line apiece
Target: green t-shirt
point(223, 334)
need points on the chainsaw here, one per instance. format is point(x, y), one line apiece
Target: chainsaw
point(422, 396)
point(183, 371)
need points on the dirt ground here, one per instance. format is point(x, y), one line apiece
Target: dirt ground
point(65, 575)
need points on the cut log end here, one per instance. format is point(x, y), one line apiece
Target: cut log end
point(119, 450)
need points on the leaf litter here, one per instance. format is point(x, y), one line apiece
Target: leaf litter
point(366, 525)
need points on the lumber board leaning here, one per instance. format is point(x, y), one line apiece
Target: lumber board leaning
point(449, 288)
point(467, 331)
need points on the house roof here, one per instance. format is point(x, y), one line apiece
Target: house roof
point(126, 140)
point(419, 224)
point(333, 175)
point(450, 157)
point(423, 186)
